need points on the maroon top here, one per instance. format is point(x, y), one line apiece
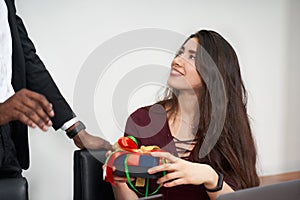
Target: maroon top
point(149, 125)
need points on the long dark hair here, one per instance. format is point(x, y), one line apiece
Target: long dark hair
point(234, 153)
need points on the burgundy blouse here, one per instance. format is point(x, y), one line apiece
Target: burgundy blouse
point(149, 125)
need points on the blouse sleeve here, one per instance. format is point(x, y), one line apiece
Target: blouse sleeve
point(131, 125)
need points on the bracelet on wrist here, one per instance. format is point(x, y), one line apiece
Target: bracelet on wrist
point(80, 126)
point(219, 184)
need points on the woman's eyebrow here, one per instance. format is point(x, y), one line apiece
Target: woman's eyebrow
point(192, 51)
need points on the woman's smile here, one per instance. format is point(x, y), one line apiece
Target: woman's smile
point(175, 72)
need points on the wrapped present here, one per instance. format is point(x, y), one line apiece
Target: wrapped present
point(136, 164)
point(131, 161)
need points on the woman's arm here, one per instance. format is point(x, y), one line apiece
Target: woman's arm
point(212, 181)
point(123, 192)
point(182, 172)
point(225, 189)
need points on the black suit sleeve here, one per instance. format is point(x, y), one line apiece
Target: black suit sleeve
point(39, 80)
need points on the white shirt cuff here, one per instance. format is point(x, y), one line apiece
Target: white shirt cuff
point(69, 123)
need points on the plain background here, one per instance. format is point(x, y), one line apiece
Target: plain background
point(265, 35)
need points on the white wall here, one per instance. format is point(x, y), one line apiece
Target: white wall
point(265, 35)
point(292, 91)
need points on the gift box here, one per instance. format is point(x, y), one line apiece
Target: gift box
point(136, 165)
point(131, 161)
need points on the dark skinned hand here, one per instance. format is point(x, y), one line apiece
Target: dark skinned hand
point(29, 107)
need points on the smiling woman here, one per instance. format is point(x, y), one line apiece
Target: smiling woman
point(186, 113)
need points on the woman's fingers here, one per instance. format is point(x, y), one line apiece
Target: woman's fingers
point(169, 166)
point(160, 168)
point(108, 153)
point(175, 182)
point(178, 170)
point(170, 176)
point(165, 155)
point(118, 178)
point(122, 179)
point(105, 165)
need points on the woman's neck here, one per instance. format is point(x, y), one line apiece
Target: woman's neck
point(184, 122)
point(188, 106)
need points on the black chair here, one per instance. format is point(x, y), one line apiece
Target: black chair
point(88, 179)
point(13, 189)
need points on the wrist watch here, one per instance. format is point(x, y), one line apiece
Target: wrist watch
point(80, 126)
point(219, 185)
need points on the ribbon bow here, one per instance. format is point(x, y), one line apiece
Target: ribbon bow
point(130, 144)
point(123, 146)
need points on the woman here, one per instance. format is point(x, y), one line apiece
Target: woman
point(206, 93)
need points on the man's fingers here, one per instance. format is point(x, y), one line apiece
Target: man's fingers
point(37, 108)
point(28, 107)
point(43, 102)
point(24, 119)
point(31, 115)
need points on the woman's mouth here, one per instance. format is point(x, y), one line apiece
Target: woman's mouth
point(175, 72)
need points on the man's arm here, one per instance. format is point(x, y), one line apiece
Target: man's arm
point(40, 81)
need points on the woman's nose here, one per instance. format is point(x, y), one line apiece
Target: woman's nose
point(178, 61)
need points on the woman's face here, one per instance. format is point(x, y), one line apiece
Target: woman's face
point(183, 74)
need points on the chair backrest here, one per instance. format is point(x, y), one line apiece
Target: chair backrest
point(13, 189)
point(88, 180)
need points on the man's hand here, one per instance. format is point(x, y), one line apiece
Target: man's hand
point(85, 140)
point(29, 107)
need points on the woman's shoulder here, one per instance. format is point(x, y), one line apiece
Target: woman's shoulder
point(143, 116)
point(144, 111)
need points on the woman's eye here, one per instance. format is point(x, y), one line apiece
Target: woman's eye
point(192, 57)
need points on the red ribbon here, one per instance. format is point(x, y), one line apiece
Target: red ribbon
point(109, 165)
point(126, 144)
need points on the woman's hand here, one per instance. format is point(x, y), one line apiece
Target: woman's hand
point(117, 179)
point(183, 172)
point(121, 190)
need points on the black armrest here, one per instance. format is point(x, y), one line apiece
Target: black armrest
point(88, 180)
point(13, 189)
